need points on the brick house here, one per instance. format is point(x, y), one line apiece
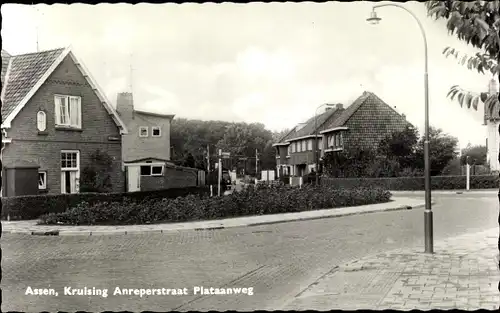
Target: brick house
point(146, 150)
point(363, 124)
point(54, 117)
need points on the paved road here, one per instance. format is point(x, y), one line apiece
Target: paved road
point(278, 261)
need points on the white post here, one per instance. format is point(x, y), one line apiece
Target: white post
point(220, 171)
point(211, 191)
point(468, 176)
point(300, 181)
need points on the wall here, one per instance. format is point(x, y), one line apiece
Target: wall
point(135, 147)
point(173, 178)
point(45, 148)
point(371, 123)
point(493, 145)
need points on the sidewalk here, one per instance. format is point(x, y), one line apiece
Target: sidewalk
point(489, 192)
point(461, 274)
point(30, 227)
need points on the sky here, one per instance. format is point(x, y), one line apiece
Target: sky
point(272, 63)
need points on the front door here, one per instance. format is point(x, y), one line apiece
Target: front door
point(134, 178)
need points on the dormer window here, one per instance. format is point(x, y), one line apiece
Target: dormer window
point(156, 131)
point(41, 121)
point(143, 131)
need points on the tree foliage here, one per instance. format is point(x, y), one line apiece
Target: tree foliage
point(476, 154)
point(96, 177)
point(399, 154)
point(478, 24)
point(190, 140)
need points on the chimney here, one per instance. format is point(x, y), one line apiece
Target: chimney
point(300, 126)
point(125, 105)
point(339, 106)
point(404, 116)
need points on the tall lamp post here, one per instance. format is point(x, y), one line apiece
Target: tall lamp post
point(429, 240)
point(316, 153)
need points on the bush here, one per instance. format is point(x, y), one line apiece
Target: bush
point(32, 207)
point(263, 199)
point(416, 183)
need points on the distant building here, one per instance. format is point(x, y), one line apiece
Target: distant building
point(363, 124)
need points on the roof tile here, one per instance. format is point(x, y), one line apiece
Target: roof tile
point(26, 70)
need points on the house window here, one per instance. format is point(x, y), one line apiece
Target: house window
point(320, 144)
point(310, 145)
point(292, 147)
point(70, 171)
point(331, 141)
point(152, 170)
point(143, 131)
point(68, 111)
point(299, 146)
point(304, 145)
point(337, 141)
point(156, 131)
point(289, 149)
point(42, 180)
point(41, 121)
point(156, 170)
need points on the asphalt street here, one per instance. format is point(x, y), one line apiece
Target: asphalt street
point(278, 261)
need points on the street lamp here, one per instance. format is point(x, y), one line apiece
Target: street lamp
point(316, 154)
point(429, 241)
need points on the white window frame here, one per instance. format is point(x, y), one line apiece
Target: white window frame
point(44, 185)
point(153, 131)
point(151, 169)
point(76, 170)
point(153, 174)
point(68, 111)
point(288, 150)
point(304, 145)
point(41, 121)
point(310, 145)
point(141, 128)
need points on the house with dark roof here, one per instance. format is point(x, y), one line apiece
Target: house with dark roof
point(54, 118)
point(146, 150)
point(363, 124)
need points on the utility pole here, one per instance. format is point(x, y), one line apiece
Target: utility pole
point(208, 170)
point(256, 162)
point(220, 171)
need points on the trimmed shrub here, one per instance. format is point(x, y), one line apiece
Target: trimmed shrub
point(416, 183)
point(262, 199)
point(32, 207)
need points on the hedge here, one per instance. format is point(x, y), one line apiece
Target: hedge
point(32, 207)
point(250, 201)
point(416, 183)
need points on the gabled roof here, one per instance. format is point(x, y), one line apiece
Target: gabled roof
point(26, 73)
point(310, 126)
point(350, 110)
point(331, 119)
point(5, 62)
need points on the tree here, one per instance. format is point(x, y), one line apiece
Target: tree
point(96, 177)
point(400, 146)
point(475, 153)
point(478, 24)
point(444, 149)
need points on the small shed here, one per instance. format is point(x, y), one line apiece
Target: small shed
point(20, 178)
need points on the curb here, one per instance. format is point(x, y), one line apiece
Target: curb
point(138, 232)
